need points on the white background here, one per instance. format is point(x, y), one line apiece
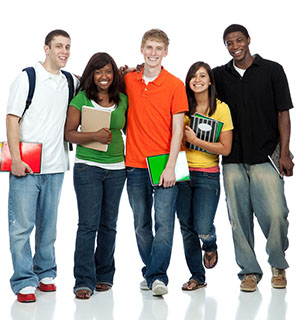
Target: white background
point(195, 30)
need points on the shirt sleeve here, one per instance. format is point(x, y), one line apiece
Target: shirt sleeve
point(282, 96)
point(78, 101)
point(18, 95)
point(179, 101)
point(225, 117)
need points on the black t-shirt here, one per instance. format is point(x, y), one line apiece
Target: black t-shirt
point(254, 101)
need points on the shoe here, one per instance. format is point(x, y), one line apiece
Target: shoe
point(249, 283)
point(47, 285)
point(144, 285)
point(83, 294)
point(101, 287)
point(192, 285)
point(26, 295)
point(278, 278)
point(159, 288)
point(209, 257)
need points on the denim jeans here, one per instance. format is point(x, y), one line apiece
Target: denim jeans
point(196, 208)
point(155, 249)
point(98, 193)
point(256, 189)
point(33, 201)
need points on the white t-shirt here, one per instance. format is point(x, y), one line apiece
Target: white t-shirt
point(239, 70)
point(44, 120)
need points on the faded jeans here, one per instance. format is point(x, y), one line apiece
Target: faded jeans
point(33, 202)
point(256, 190)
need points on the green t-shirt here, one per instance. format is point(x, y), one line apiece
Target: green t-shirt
point(115, 150)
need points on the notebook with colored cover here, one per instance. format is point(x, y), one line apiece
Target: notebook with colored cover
point(206, 129)
point(93, 120)
point(31, 153)
point(157, 164)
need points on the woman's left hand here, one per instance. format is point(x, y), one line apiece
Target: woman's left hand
point(189, 134)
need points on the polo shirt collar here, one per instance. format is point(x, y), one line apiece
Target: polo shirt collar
point(43, 73)
point(158, 80)
point(257, 61)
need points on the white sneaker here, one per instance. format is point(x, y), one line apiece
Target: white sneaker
point(28, 290)
point(47, 280)
point(159, 288)
point(144, 285)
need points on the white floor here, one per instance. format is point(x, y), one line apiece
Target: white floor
point(220, 300)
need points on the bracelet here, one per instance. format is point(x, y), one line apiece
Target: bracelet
point(194, 139)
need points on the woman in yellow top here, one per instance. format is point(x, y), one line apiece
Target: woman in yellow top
point(198, 199)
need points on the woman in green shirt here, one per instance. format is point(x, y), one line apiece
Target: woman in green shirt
point(99, 176)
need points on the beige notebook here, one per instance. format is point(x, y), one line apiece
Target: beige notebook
point(93, 120)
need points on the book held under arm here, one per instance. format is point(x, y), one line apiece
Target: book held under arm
point(93, 120)
point(157, 164)
point(206, 129)
point(30, 152)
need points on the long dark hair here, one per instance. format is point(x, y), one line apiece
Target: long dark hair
point(98, 61)
point(211, 89)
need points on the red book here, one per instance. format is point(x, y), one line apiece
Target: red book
point(31, 153)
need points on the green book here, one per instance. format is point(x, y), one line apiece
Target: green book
point(157, 164)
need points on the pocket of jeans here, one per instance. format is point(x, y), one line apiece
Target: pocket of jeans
point(213, 176)
point(129, 169)
point(80, 166)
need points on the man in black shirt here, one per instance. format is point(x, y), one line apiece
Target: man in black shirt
point(257, 93)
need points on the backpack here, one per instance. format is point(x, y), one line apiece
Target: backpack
point(32, 77)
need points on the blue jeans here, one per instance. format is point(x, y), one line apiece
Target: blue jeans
point(98, 193)
point(33, 201)
point(256, 189)
point(155, 250)
point(196, 208)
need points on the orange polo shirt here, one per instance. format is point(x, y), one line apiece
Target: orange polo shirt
point(149, 119)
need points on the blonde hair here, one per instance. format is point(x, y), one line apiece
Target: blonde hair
point(157, 35)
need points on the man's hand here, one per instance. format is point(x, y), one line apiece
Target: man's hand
point(167, 178)
point(20, 168)
point(286, 166)
point(125, 69)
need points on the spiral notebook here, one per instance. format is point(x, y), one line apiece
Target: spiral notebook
point(206, 129)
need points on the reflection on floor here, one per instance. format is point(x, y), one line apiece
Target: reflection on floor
point(220, 300)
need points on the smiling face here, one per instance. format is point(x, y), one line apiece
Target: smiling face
point(200, 81)
point(104, 77)
point(153, 52)
point(238, 47)
point(58, 52)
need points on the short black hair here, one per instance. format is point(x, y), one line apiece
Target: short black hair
point(55, 33)
point(235, 28)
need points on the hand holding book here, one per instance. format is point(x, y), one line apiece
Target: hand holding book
point(103, 136)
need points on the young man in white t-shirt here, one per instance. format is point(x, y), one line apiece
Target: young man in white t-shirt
point(33, 198)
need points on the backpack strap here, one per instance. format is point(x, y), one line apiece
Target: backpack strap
point(71, 93)
point(31, 78)
point(70, 84)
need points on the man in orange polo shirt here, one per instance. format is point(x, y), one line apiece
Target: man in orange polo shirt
point(157, 102)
